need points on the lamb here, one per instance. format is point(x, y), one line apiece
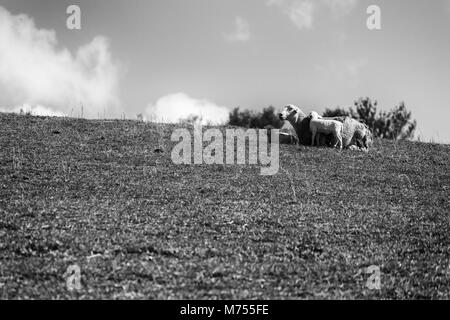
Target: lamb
point(320, 125)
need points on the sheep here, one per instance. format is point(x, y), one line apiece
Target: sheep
point(354, 134)
point(353, 131)
point(320, 125)
point(286, 135)
point(299, 121)
point(363, 136)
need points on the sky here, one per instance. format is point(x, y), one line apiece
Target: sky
point(168, 59)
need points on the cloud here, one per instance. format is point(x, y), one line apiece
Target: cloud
point(241, 31)
point(300, 12)
point(34, 71)
point(36, 110)
point(175, 107)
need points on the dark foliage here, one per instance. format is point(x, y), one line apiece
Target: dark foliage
point(251, 119)
point(338, 112)
point(396, 124)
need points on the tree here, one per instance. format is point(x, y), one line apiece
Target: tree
point(338, 112)
point(401, 126)
point(397, 124)
point(366, 111)
point(249, 119)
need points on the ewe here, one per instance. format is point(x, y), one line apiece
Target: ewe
point(320, 125)
point(299, 121)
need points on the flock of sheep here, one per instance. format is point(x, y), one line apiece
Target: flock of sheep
point(342, 132)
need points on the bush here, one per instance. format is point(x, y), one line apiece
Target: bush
point(338, 112)
point(400, 125)
point(396, 124)
point(253, 119)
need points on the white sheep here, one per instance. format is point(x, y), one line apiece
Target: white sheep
point(320, 125)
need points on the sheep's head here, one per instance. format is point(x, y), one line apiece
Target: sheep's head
point(289, 112)
point(314, 115)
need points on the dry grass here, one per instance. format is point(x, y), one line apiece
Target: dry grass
point(96, 194)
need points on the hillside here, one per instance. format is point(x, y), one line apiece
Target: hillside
point(96, 193)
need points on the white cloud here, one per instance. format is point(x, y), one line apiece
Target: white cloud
point(175, 107)
point(300, 12)
point(241, 31)
point(34, 71)
point(36, 110)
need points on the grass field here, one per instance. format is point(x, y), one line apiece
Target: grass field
point(96, 194)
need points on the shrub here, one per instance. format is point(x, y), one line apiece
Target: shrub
point(253, 119)
point(396, 124)
point(338, 112)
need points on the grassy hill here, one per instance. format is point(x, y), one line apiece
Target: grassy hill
point(96, 193)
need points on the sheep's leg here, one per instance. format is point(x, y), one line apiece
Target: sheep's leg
point(339, 136)
point(359, 141)
point(365, 142)
point(313, 137)
point(338, 140)
point(335, 142)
